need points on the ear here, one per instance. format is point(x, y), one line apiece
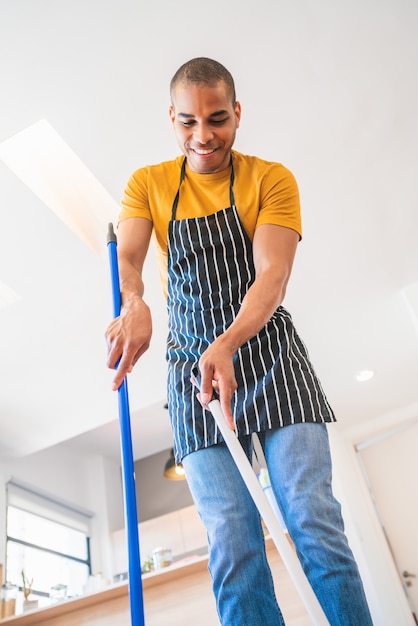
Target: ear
point(172, 113)
point(237, 112)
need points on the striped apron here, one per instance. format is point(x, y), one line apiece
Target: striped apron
point(210, 269)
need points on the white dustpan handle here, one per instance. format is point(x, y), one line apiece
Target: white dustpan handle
point(289, 557)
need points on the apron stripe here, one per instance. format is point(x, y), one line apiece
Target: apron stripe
point(225, 261)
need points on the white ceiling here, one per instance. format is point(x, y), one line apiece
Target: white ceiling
point(328, 88)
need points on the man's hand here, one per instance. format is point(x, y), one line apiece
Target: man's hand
point(217, 372)
point(128, 337)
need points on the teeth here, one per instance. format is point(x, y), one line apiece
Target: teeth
point(203, 151)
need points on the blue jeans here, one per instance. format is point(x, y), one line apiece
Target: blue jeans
point(299, 464)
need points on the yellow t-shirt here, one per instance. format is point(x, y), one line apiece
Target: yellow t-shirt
point(265, 193)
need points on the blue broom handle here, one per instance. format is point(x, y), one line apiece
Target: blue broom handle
point(128, 470)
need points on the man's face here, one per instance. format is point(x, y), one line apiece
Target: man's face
point(205, 122)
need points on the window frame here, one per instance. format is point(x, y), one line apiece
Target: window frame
point(35, 502)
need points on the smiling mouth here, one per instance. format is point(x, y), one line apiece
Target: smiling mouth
point(203, 152)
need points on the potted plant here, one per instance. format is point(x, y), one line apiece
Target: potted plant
point(27, 590)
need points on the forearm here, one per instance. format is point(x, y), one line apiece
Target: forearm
point(134, 235)
point(131, 283)
point(274, 250)
point(258, 306)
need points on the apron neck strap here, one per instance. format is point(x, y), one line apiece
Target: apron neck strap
point(182, 176)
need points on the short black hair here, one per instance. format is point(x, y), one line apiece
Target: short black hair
point(202, 70)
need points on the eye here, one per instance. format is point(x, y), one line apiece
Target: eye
point(219, 122)
point(187, 123)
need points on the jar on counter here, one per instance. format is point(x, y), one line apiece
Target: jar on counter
point(58, 592)
point(8, 599)
point(162, 557)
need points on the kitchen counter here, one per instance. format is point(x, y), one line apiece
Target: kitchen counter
point(179, 595)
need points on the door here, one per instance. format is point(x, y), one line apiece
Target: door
point(390, 463)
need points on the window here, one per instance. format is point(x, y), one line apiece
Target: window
point(46, 539)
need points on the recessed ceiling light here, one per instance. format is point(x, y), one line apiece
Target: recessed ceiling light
point(364, 375)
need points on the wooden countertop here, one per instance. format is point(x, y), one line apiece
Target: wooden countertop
point(185, 587)
point(185, 567)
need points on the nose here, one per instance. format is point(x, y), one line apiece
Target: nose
point(203, 134)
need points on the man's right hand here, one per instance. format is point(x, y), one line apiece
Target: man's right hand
point(128, 337)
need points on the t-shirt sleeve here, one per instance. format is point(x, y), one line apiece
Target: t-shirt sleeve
point(135, 202)
point(280, 202)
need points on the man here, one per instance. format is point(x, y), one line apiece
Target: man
point(225, 271)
